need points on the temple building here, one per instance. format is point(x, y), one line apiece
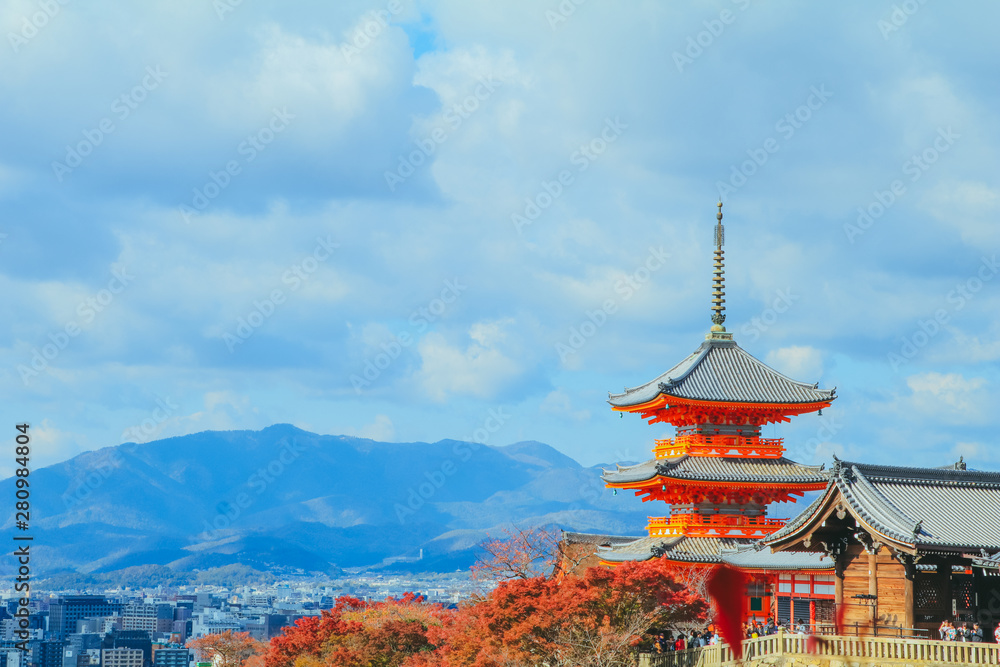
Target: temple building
point(719, 474)
point(911, 546)
point(900, 549)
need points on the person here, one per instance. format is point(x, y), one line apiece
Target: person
point(977, 633)
point(680, 644)
point(996, 634)
point(658, 643)
point(801, 627)
point(771, 629)
point(950, 633)
point(943, 629)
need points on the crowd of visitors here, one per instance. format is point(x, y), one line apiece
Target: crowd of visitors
point(755, 628)
point(666, 641)
point(963, 633)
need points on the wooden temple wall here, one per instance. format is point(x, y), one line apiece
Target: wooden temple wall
point(881, 575)
point(893, 599)
point(856, 582)
point(576, 557)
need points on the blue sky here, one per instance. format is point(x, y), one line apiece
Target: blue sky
point(389, 219)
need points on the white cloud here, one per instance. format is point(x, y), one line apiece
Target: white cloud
point(799, 362)
point(480, 369)
point(381, 430)
point(975, 454)
point(558, 404)
point(950, 396)
point(49, 445)
point(969, 208)
point(935, 400)
point(354, 120)
point(489, 334)
point(222, 411)
point(301, 73)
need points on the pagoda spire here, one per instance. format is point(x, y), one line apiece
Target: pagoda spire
point(719, 278)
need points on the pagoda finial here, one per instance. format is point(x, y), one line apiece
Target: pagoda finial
point(719, 279)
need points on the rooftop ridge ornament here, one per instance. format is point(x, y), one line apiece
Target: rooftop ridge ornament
point(719, 276)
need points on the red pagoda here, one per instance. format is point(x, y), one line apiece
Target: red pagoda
point(719, 475)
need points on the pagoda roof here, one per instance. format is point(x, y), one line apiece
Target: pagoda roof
point(708, 550)
point(721, 371)
point(720, 469)
point(682, 548)
point(915, 509)
point(597, 539)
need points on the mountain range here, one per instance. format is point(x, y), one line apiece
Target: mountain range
point(284, 500)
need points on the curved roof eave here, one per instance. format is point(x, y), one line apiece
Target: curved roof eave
point(721, 371)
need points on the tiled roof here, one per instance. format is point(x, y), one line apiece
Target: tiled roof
point(688, 549)
point(950, 508)
point(754, 559)
point(590, 538)
point(803, 517)
point(720, 469)
point(720, 370)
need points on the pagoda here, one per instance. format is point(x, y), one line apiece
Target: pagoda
point(718, 474)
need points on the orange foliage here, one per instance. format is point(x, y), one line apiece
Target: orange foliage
point(356, 634)
point(591, 620)
point(233, 649)
point(595, 619)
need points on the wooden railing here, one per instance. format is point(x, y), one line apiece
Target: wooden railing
point(713, 525)
point(719, 445)
point(873, 650)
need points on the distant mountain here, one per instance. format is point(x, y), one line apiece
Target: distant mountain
point(284, 500)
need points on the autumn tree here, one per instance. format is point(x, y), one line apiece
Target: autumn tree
point(593, 620)
point(519, 553)
point(357, 634)
point(228, 649)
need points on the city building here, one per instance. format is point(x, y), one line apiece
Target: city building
point(11, 657)
point(215, 621)
point(121, 657)
point(172, 657)
point(148, 617)
point(68, 610)
point(47, 653)
point(82, 650)
point(138, 640)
